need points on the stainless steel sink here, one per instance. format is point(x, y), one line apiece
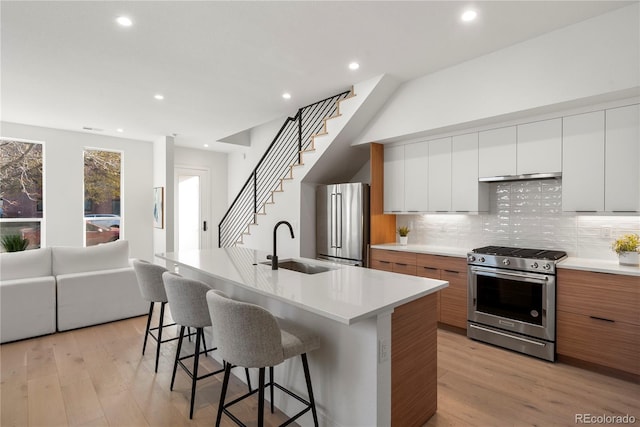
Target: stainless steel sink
point(301, 267)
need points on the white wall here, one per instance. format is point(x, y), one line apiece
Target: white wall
point(64, 181)
point(216, 164)
point(597, 58)
point(242, 162)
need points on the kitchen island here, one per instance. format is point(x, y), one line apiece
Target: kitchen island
point(377, 362)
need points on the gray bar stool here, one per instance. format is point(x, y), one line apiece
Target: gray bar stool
point(188, 302)
point(251, 337)
point(152, 289)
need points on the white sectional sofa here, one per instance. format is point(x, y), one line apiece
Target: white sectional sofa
point(69, 287)
point(95, 285)
point(27, 295)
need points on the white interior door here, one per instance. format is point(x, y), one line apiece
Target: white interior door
point(192, 209)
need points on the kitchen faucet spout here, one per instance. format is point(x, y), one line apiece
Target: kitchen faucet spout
point(274, 256)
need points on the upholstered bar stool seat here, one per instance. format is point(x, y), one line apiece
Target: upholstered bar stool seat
point(188, 301)
point(249, 336)
point(152, 289)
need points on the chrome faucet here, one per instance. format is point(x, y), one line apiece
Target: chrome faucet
point(274, 257)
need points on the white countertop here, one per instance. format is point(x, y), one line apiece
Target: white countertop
point(345, 294)
point(599, 266)
point(423, 249)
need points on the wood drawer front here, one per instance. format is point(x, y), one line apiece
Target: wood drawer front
point(441, 262)
point(394, 256)
point(428, 272)
point(453, 299)
point(377, 264)
point(404, 268)
point(612, 344)
point(609, 296)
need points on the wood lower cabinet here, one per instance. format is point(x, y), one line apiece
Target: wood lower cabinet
point(598, 320)
point(394, 261)
point(451, 301)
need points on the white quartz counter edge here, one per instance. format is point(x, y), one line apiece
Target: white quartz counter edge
point(347, 294)
point(423, 249)
point(598, 266)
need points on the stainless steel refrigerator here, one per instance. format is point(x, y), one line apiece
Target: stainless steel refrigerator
point(342, 223)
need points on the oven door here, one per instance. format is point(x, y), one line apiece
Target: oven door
point(513, 301)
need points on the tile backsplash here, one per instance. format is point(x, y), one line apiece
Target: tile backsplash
point(523, 214)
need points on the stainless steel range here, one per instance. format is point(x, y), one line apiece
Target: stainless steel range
point(512, 298)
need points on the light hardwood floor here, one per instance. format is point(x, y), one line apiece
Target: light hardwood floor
point(97, 377)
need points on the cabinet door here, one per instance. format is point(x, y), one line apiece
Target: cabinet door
point(416, 166)
point(453, 299)
point(394, 178)
point(440, 175)
point(467, 194)
point(539, 147)
point(622, 157)
point(497, 156)
point(583, 162)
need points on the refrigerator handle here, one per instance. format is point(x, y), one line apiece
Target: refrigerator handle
point(339, 220)
point(332, 220)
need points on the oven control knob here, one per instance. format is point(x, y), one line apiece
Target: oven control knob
point(506, 262)
point(481, 259)
point(471, 258)
point(534, 265)
point(547, 266)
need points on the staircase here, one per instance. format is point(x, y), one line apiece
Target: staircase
point(296, 137)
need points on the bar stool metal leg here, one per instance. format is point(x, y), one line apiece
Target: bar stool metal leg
point(146, 334)
point(270, 386)
point(159, 333)
point(175, 364)
point(194, 377)
point(307, 377)
point(223, 392)
point(261, 398)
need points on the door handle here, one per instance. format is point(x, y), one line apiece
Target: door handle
point(204, 226)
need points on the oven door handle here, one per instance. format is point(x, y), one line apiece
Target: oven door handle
point(531, 277)
point(507, 335)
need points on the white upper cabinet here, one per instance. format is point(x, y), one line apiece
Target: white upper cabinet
point(539, 147)
point(416, 166)
point(394, 178)
point(440, 175)
point(497, 155)
point(583, 162)
point(622, 159)
point(467, 194)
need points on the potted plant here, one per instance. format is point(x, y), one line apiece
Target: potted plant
point(628, 249)
point(14, 243)
point(404, 235)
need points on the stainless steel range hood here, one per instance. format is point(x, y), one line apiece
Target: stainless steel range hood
point(521, 177)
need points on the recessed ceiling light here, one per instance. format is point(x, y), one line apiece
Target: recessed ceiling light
point(469, 15)
point(120, 130)
point(124, 21)
point(286, 95)
point(354, 66)
point(158, 96)
point(206, 145)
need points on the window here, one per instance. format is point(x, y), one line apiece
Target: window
point(21, 195)
point(102, 181)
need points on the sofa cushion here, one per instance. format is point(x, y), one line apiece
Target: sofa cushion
point(25, 264)
point(105, 256)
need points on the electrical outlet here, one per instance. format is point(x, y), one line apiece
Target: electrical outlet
point(384, 349)
point(605, 232)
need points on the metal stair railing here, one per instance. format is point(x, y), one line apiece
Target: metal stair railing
point(285, 151)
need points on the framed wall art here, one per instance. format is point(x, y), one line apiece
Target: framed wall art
point(158, 207)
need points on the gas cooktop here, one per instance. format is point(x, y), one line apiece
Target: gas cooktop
point(521, 252)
